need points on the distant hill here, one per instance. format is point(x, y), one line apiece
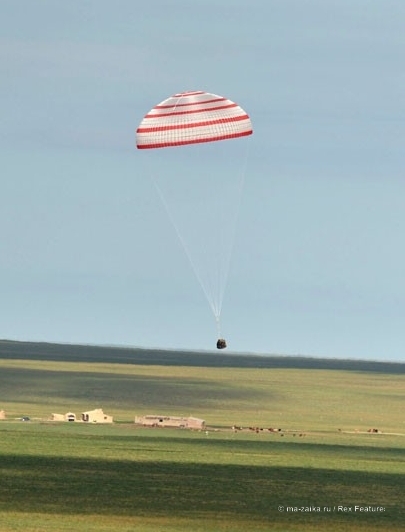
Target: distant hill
point(131, 355)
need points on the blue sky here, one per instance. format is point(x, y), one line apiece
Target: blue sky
point(86, 250)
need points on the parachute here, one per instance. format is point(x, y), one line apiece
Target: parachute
point(199, 179)
point(190, 118)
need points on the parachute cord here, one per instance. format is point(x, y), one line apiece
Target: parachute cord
point(184, 246)
point(214, 295)
point(218, 322)
point(224, 269)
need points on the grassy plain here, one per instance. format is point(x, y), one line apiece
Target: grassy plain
point(63, 477)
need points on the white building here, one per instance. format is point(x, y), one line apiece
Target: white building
point(170, 421)
point(96, 416)
point(69, 416)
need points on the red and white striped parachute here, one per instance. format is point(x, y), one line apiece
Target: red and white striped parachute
point(200, 185)
point(192, 117)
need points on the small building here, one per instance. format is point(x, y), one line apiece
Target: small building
point(69, 416)
point(96, 416)
point(57, 417)
point(2, 414)
point(170, 421)
point(195, 423)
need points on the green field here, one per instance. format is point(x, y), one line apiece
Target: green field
point(73, 476)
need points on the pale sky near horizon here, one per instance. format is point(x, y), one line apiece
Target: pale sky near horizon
point(87, 254)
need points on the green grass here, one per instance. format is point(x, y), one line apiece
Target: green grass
point(301, 399)
point(181, 479)
point(72, 476)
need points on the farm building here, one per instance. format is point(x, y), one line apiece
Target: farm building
point(170, 421)
point(69, 416)
point(57, 417)
point(96, 416)
point(2, 414)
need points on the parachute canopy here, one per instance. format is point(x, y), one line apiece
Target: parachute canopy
point(192, 117)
